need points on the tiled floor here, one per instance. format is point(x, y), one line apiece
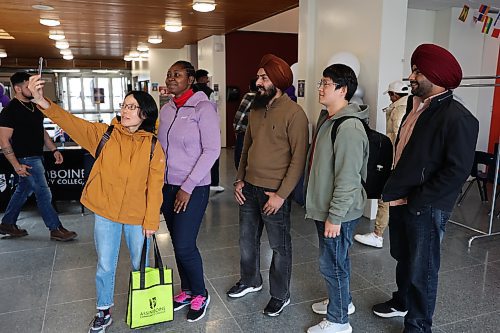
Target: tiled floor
point(49, 287)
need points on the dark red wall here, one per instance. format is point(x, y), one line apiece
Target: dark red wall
point(243, 53)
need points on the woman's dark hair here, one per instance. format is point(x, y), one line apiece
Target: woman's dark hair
point(187, 66)
point(344, 76)
point(148, 109)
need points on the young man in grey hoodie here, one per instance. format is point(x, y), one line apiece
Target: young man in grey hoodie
point(335, 197)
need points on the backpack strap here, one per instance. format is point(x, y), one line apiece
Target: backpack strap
point(153, 143)
point(104, 139)
point(335, 127)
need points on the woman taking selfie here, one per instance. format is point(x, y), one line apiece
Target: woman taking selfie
point(124, 186)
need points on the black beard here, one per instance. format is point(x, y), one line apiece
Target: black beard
point(262, 99)
point(27, 97)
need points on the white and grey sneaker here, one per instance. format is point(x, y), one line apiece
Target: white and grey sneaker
point(328, 327)
point(320, 307)
point(370, 239)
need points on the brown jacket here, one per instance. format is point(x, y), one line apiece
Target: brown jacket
point(124, 185)
point(274, 152)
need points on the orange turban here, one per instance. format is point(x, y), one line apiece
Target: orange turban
point(277, 70)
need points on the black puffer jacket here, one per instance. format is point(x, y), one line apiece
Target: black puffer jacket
point(438, 157)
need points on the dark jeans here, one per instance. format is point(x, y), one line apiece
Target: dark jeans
point(184, 228)
point(252, 221)
point(238, 148)
point(37, 183)
point(416, 246)
point(214, 173)
point(335, 266)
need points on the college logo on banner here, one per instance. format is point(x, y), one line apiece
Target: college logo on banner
point(152, 302)
point(3, 183)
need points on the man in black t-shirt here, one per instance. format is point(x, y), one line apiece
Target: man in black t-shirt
point(22, 138)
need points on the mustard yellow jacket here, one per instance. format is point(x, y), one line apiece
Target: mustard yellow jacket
point(124, 185)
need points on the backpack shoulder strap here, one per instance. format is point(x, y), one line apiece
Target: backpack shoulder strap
point(104, 139)
point(153, 144)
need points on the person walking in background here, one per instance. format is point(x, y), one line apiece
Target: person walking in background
point(434, 155)
point(271, 164)
point(124, 186)
point(4, 99)
point(240, 121)
point(190, 134)
point(201, 84)
point(22, 138)
point(398, 93)
point(335, 198)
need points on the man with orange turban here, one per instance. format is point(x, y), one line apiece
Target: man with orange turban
point(272, 162)
point(433, 158)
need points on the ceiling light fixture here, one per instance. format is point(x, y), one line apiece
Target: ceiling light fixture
point(68, 57)
point(62, 44)
point(204, 6)
point(65, 52)
point(50, 22)
point(66, 71)
point(173, 25)
point(42, 7)
point(155, 40)
point(56, 35)
point(142, 48)
point(3, 54)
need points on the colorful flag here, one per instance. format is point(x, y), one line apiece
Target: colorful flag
point(464, 13)
point(483, 11)
point(487, 24)
point(495, 33)
point(496, 27)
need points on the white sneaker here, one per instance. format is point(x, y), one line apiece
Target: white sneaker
point(370, 239)
point(320, 307)
point(328, 327)
point(217, 188)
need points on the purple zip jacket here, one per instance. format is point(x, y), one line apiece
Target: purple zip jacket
point(190, 137)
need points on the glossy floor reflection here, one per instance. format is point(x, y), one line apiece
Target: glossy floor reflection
point(49, 287)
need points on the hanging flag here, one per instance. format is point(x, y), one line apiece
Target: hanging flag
point(464, 13)
point(483, 11)
point(496, 27)
point(487, 24)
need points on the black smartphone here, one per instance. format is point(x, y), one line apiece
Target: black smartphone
point(40, 65)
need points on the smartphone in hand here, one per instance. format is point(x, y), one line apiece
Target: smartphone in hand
point(40, 65)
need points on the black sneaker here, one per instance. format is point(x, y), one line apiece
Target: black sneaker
point(198, 307)
point(275, 306)
point(100, 322)
point(240, 290)
point(388, 310)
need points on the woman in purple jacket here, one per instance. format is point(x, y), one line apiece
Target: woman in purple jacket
point(190, 134)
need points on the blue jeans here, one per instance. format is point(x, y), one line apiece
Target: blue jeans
point(37, 183)
point(107, 237)
point(416, 246)
point(252, 222)
point(335, 266)
point(184, 228)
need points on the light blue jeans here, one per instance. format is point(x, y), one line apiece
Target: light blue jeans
point(107, 237)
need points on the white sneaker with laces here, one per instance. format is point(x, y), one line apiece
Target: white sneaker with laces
point(320, 307)
point(328, 327)
point(370, 239)
point(217, 188)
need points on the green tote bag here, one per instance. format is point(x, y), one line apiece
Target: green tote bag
point(150, 295)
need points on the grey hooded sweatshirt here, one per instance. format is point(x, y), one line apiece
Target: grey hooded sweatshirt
point(333, 174)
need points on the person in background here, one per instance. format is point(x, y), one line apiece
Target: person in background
point(272, 162)
point(190, 134)
point(202, 80)
point(240, 121)
point(398, 93)
point(22, 138)
point(434, 155)
point(335, 197)
point(4, 99)
point(124, 186)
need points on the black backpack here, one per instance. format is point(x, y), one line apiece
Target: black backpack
point(379, 158)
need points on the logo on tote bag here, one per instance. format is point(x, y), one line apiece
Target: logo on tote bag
point(152, 302)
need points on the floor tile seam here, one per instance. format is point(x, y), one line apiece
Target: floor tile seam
point(223, 303)
point(18, 311)
point(33, 249)
point(16, 277)
point(48, 291)
point(467, 319)
point(460, 268)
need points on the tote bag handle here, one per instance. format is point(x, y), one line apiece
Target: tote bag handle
point(158, 262)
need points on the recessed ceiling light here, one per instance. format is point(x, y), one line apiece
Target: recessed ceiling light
point(62, 44)
point(134, 54)
point(143, 48)
point(173, 27)
point(145, 55)
point(56, 35)
point(204, 6)
point(42, 7)
point(105, 71)
point(3, 54)
point(49, 22)
point(66, 71)
point(127, 58)
point(65, 52)
point(68, 57)
point(155, 39)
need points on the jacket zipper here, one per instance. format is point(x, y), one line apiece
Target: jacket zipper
point(422, 177)
point(166, 149)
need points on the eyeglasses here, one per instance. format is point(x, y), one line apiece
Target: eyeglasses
point(131, 107)
point(324, 84)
